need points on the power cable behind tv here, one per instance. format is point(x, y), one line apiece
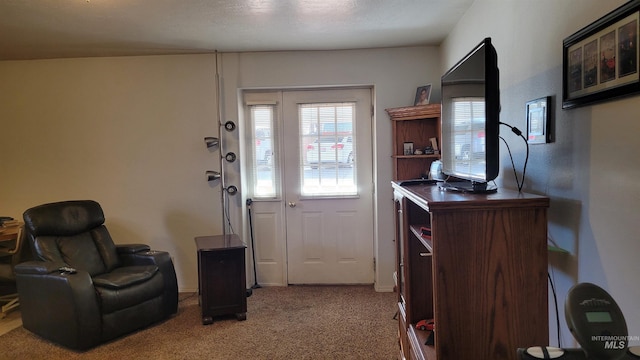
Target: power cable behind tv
point(517, 131)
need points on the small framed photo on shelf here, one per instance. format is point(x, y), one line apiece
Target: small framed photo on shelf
point(538, 120)
point(422, 95)
point(408, 148)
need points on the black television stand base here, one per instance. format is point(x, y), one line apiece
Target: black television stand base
point(468, 187)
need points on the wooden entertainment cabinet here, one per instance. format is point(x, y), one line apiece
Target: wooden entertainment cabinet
point(481, 274)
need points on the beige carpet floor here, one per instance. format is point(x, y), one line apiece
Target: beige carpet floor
point(295, 322)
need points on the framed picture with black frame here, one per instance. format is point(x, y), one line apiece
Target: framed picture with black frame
point(600, 62)
point(538, 116)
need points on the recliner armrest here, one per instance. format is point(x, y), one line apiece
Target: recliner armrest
point(38, 267)
point(131, 248)
point(162, 259)
point(59, 306)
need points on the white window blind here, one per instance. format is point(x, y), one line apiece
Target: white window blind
point(264, 157)
point(327, 145)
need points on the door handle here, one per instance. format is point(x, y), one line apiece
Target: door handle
point(292, 204)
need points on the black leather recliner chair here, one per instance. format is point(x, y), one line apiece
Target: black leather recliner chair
point(81, 289)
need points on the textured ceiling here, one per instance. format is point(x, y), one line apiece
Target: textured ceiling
point(32, 29)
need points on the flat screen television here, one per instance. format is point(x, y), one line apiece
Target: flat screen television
point(471, 121)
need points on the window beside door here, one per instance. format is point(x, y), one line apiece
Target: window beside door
point(264, 161)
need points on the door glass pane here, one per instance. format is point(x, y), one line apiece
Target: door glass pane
point(263, 157)
point(327, 145)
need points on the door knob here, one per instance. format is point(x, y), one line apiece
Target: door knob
point(292, 204)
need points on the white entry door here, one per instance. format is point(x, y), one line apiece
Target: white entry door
point(309, 175)
point(328, 186)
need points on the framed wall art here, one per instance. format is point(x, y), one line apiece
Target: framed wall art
point(538, 114)
point(600, 62)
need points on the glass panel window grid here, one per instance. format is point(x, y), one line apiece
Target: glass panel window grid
point(327, 146)
point(468, 128)
point(264, 162)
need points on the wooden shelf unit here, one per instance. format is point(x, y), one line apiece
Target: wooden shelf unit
point(482, 277)
point(416, 124)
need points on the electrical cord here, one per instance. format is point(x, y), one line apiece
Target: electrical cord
point(555, 300)
point(253, 247)
point(517, 131)
point(188, 297)
point(226, 210)
point(520, 184)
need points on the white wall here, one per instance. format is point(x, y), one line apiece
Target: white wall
point(395, 75)
point(590, 171)
point(128, 132)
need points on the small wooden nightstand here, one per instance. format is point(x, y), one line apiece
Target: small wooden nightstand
point(221, 276)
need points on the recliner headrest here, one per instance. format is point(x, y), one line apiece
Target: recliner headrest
point(63, 218)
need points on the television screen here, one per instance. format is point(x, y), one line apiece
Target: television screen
point(470, 119)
